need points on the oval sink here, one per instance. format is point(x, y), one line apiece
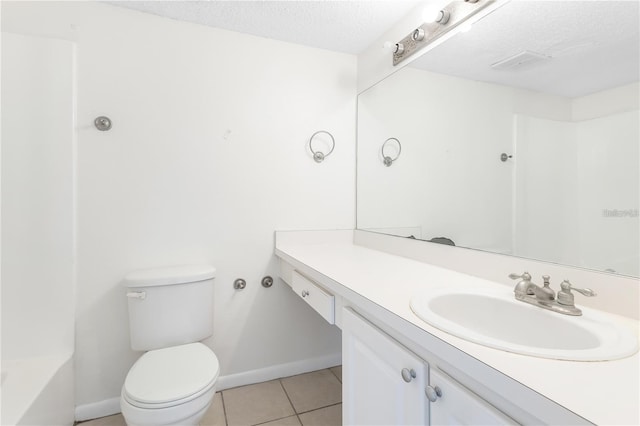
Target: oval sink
point(492, 317)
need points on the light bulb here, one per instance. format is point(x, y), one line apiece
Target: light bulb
point(431, 11)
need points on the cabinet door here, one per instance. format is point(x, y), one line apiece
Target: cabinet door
point(457, 405)
point(374, 391)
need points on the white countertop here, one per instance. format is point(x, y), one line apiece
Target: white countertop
point(605, 392)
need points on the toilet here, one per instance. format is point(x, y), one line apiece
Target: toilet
point(170, 311)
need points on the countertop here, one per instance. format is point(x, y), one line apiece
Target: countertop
point(604, 392)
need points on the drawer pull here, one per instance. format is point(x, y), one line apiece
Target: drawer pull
point(304, 293)
point(408, 375)
point(433, 393)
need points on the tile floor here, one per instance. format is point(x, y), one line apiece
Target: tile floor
point(311, 399)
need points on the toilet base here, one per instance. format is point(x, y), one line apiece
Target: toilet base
point(187, 414)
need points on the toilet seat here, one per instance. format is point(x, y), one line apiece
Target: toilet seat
point(171, 376)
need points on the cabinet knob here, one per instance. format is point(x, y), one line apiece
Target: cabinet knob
point(304, 293)
point(433, 393)
point(408, 375)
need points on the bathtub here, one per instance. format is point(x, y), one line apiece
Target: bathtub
point(38, 390)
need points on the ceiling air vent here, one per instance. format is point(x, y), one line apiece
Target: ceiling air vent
point(523, 59)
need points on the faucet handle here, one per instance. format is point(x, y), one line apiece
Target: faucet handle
point(525, 276)
point(565, 297)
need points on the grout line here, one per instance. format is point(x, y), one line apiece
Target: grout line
point(331, 369)
point(287, 395)
point(279, 418)
point(290, 402)
point(224, 409)
point(320, 408)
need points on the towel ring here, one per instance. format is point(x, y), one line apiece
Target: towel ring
point(319, 156)
point(388, 161)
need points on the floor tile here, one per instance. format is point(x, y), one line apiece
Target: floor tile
point(115, 420)
point(313, 390)
point(287, 421)
point(328, 416)
point(215, 414)
point(337, 371)
point(259, 403)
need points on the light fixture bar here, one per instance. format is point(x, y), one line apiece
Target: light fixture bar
point(451, 16)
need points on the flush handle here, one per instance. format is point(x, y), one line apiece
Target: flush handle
point(137, 295)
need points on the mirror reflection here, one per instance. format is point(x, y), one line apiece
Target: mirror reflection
point(520, 136)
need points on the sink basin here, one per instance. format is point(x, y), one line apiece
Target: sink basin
point(492, 317)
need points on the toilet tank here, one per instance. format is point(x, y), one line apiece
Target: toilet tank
point(170, 306)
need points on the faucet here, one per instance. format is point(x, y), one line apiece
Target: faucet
point(523, 287)
point(544, 297)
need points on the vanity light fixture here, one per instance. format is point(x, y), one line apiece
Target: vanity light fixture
point(440, 21)
point(432, 12)
point(443, 17)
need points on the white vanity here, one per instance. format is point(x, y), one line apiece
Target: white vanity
point(398, 369)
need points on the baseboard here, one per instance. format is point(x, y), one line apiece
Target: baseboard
point(277, 371)
point(111, 406)
point(98, 409)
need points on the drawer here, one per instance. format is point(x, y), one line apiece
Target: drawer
point(315, 296)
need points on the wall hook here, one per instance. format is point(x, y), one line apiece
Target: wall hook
point(504, 157)
point(267, 281)
point(102, 123)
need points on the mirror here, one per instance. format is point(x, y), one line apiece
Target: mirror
point(518, 137)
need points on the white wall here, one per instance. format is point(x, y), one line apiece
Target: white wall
point(38, 144)
point(206, 158)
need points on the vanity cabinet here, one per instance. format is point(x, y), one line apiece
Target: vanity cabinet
point(370, 293)
point(457, 405)
point(384, 383)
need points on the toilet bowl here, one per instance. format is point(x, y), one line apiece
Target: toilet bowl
point(171, 386)
point(174, 382)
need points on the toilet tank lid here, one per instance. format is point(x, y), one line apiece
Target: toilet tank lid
point(169, 275)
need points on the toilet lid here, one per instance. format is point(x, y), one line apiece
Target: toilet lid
point(171, 374)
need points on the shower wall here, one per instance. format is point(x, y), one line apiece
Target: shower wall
point(37, 225)
point(37, 196)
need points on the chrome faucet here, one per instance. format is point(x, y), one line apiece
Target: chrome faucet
point(544, 297)
point(523, 287)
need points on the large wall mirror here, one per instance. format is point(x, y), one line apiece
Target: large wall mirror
point(520, 136)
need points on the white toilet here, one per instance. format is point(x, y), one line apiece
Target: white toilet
point(170, 311)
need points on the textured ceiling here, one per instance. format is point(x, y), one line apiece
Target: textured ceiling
point(585, 46)
point(347, 26)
